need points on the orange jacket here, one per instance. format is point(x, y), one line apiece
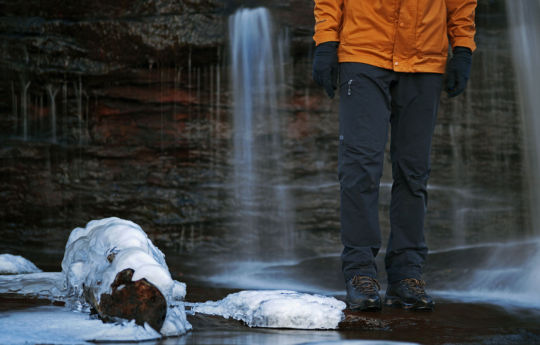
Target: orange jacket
point(402, 35)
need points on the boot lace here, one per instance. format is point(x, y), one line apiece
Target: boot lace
point(415, 285)
point(366, 284)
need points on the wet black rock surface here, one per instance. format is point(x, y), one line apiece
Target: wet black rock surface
point(142, 129)
point(450, 323)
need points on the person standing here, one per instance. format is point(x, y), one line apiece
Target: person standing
point(390, 56)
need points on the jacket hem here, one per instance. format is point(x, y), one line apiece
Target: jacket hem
point(420, 67)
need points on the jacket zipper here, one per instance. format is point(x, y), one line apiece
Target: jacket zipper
point(349, 89)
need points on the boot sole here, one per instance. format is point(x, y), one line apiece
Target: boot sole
point(396, 302)
point(361, 307)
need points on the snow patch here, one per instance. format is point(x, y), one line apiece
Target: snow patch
point(95, 254)
point(277, 309)
point(15, 264)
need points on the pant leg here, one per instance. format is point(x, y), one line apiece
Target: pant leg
point(364, 114)
point(415, 101)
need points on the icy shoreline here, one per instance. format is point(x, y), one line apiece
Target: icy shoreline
point(95, 254)
point(93, 257)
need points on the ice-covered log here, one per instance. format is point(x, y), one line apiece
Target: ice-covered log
point(112, 265)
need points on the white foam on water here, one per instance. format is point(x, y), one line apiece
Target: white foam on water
point(277, 309)
point(505, 280)
point(487, 245)
point(254, 275)
point(15, 264)
point(498, 297)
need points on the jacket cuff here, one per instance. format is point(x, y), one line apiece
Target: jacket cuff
point(321, 37)
point(463, 42)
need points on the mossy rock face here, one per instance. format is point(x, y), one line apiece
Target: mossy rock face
point(132, 300)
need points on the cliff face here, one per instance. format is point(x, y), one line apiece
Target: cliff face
point(123, 108)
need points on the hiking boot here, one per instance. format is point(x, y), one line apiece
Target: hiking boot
point(408, 294)
point(363, 293)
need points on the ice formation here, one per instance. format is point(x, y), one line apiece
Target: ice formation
point(59, 325)
point(359, 342)
point(14, 264)
point(277, 309)
point(49, 285)
point(95, 254)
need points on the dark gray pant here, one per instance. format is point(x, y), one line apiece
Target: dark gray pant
point(371, 98)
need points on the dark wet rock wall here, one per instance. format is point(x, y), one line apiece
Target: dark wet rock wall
point(123, 108)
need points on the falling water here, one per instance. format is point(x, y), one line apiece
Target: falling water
point(64, 107)
point(513, 273)
point(263, 209)
point(52, 101)
point(14, 107)
point(40, 107)
point(24, 107)
point(525, 33)
point(78, 93)
point(217, 119)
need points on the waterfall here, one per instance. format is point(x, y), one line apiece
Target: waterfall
point(52, 96)
point(24, 106)
point(513, 272)
point(525, 37)
point(262, 205)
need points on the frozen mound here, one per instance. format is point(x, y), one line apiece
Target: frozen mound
point(14, 264)
point(277, 309)
point(97, 256)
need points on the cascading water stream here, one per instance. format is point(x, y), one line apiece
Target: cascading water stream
point(525, 37)
point(512, 274)
point(263, 209)
point(52, 101)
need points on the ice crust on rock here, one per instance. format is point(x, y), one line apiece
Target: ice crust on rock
point(95, 254)
point(15, 264)
point(277, 309)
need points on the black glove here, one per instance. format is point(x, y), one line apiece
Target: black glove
point(325, 66)
point(459, 69)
